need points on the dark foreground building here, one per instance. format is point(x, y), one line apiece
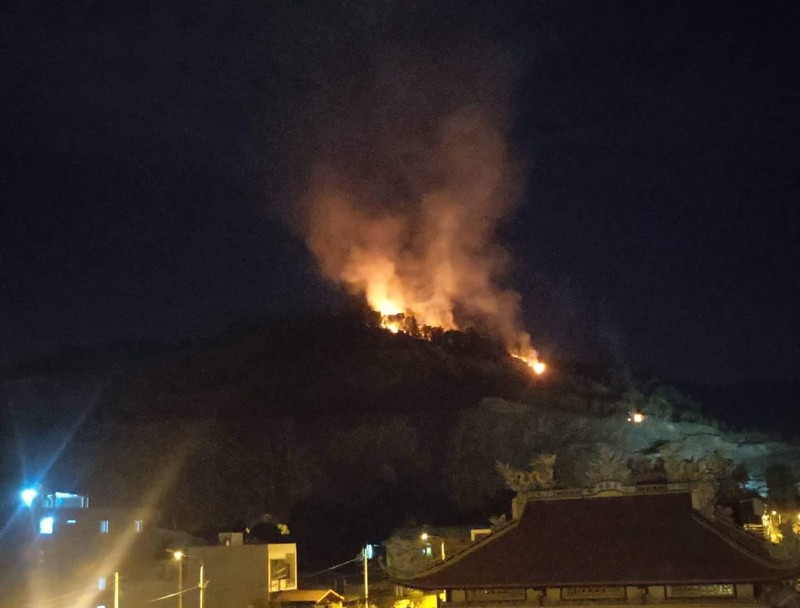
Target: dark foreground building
point(611, 550)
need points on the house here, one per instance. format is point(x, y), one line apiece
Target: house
point(309, 598)
point(238, 575)
point(610, 547)
point(75, 552)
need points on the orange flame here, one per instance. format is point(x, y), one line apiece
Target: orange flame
point(419, 243)
point(406, 324)
point(532, 360)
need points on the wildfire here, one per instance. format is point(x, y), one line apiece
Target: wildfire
point(538, 366)
point(413, 229)
point(405, 323)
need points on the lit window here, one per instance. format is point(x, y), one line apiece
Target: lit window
point(104, 526)
point(138, 525)
point(72, 522)
point(101, 583)
point(46, 525)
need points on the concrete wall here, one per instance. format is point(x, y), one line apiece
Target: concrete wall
point(236, 575)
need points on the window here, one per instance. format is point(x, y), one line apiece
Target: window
point(46, 525)
point(104, 526)
point(280, 569)
point(495, 595)
point(138, 525)
point(101, 583)
point(681, 591)
point(282, 573)
point(479, 533)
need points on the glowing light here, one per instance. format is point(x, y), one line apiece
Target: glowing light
point(407, 323)
point(28, 495)
point(636, 417)
point(386, 307)
point(430, 255)
point(46, 525)
point(428, 551)
point(177, 555)
point(531, 360)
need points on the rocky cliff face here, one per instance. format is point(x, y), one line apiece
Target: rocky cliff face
point(510, 432)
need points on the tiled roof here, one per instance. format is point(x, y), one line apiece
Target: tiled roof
point(620, 540)
point(315, 596)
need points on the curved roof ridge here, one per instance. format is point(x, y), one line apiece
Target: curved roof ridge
point(474, 546)
point(651, 538)
point(728, 536)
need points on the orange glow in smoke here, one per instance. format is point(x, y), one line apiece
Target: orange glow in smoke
point(419, 243)
point(391, 326)
point(406, 323)
point(378, 300)
point(532, 360)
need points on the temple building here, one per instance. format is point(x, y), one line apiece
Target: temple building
point(610, 546)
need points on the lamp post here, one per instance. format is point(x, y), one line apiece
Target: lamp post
point(179, 555)
point(366, 576)
point(425, 536)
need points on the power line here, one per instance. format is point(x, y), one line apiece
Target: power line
point(349, 561)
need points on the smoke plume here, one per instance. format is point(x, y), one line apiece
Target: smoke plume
point(411, 178)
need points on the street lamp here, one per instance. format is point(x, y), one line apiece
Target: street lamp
point(425, 536)
point(28, 495)
point(179, 555)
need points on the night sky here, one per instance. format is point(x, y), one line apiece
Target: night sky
point(152, 152)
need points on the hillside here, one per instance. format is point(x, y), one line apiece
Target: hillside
point(331, 420)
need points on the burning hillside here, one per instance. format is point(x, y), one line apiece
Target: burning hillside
point(410, 175)
point(406, 323)
point(429, 260)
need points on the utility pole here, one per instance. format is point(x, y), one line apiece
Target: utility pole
point(116, 589)
point(180, 582)
point(202, 584)
point(366, 577)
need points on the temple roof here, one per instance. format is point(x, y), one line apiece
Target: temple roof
point(632, 539)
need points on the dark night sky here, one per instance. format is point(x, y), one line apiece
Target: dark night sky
point(149, 148)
